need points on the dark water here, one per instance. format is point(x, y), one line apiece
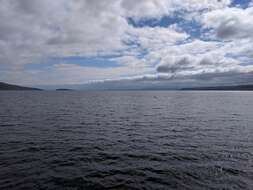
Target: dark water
point(126, 140)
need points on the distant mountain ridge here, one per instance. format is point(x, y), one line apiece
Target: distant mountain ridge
point(224, 88)
point(6, 86)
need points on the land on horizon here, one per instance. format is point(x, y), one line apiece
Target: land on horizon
point(6, 86)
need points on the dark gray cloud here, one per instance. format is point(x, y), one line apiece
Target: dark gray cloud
point(228, 28)
point(181, 64)
point(170, 82)
point(230, 23)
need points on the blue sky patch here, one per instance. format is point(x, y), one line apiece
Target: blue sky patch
point(191, 27)
point(82, 61)
point(240, 3)
point(162, 22)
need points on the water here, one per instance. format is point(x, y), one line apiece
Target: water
point(126, 140)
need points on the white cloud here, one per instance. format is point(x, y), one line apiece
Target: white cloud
point(157, 37)
point(34, 30)
point(230, 23)
point(158, 8)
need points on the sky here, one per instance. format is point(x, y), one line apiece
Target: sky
point(126, 43)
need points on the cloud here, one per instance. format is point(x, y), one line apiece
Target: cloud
point(34, 28)
point(230, 23)
point(201, 65)
point(33, 31)
point(143, 9)
point(167, 81)
point(176, 64)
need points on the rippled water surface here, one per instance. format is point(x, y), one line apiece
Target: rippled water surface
point(126, 140)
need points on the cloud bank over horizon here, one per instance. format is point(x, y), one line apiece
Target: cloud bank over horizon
point(145, 43)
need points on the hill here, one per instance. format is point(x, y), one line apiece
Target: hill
point(5, 86)
point(224, 88)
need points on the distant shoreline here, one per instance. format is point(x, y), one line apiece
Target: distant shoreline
point(11, 87)
point(221, 88)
